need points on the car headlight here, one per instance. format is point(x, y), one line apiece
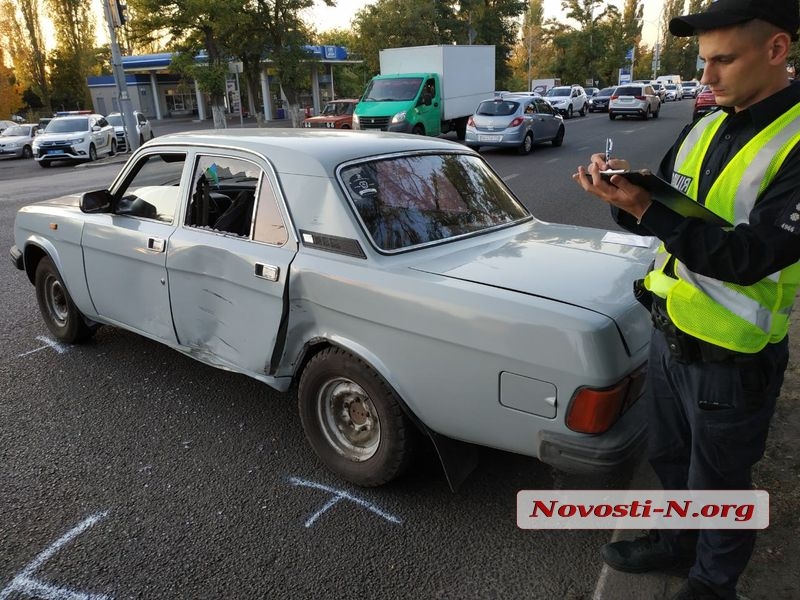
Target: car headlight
point(399, 117)
point(75, 141)
point(13, 145)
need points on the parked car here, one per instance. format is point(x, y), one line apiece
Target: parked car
point(704, 103)
point(43, 123)
point(636, 100)
point(690, 89)
point(337, 114)
point(18, 140)
point(660, 91)
point(591, 91)
point(396, 278)
point(599, 102)
point(5, 125)
point(77, 137)
point(143, 129)
point(514, 121)
point(568, 100)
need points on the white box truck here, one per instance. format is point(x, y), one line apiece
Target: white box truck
point(427, 90)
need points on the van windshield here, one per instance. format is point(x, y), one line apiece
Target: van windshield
point(392, 90)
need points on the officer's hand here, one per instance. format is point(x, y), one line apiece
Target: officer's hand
point(618, 190)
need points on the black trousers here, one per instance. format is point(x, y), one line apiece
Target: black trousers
point(694, 448)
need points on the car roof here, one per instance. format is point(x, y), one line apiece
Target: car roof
point(307, 151)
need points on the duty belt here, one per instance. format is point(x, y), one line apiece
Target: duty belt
point(686, 348)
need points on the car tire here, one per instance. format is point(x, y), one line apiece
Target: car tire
point(569, 112)
point(354, 420)
point(27, 152)
point(418, 130)
point(59, 312)
point(527, 144)
point(611, 115)
point(646, 114)
point(583, 110)
point(559, 139)
point(92, 153)
point(141, 140)
point(658, 111)
point(45, 164)
point(113, 150)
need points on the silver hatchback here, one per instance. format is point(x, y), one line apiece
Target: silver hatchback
point(638, 100)
point(515, 121)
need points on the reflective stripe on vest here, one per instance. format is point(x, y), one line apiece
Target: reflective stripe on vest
point(741, 318)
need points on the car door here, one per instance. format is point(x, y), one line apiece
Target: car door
point(125, 252)
point(228, 264)
point(429, 114)
point(547, 123)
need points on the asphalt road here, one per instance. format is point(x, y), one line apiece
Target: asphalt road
point(128, 470)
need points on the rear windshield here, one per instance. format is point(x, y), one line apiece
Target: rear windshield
point(115, 120)
point(558, 92)
point(628, 91)
point(497, 108)
point(407, 201)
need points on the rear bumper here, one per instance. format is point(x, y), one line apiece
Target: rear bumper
point(604, 453)
point(17, 258)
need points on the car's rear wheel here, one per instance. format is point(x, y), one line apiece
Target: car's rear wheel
point(59, 312)
point(27, 152)
point(611, 115)
point(646, 114)
point(353, 419)
point(527, 144)
point(658, 110)
point(92, 152)
point(559, 139)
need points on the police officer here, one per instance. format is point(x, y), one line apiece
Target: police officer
point(721, 296)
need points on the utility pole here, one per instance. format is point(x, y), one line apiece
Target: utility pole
point(115, 17)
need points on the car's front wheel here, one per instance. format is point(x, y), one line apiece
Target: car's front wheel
point(27, 152)
point(44, 164)
point(584, 110)
point(59, 312)
point(559, 139)
point(113, 150)
point(353, 419)
point(92, 152)
point(569, 112)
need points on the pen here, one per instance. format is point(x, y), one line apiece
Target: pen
point(609, 147)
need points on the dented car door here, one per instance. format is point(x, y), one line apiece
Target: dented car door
point(229, 264)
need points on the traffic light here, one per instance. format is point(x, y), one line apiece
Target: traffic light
point(119, 12)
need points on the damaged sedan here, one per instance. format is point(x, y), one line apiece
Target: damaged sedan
point(395, 278)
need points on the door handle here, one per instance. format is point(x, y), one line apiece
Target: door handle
point(268, 272)
point(156, 244)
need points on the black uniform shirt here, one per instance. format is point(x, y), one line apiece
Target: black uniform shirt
point(751, 251)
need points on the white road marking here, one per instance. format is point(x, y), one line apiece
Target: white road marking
point(337, 496)
point(507, 177)
point(48, 343)
point(26, 583)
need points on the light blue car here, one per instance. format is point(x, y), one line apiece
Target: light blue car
point(514, 121)
point(395, 278)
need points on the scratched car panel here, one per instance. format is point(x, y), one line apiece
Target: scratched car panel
point(395, 278)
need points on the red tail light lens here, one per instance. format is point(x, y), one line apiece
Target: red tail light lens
point(471, 122)
point(596, 410)
point(517, 121)
point(614, 97)
point(640, 97)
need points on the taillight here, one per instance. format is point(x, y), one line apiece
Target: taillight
point(640, 97)
point(471, 122)
point(596, 410)
point(614, 97)
point(517, 121)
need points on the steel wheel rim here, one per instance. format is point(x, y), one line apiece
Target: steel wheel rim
point(348, 419)
point(56, 300)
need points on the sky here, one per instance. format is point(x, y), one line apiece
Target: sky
point(324, 17)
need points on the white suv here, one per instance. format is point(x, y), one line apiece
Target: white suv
point(143, 129)
point(568, 100)
point(78, 136)
point(634, 99)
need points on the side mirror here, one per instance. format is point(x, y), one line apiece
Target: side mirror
point(96, 202)
point(96, 128)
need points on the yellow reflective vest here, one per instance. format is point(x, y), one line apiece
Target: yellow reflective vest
point(737, 317)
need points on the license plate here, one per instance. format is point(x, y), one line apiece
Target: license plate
point(55, 152)
point(490, 138)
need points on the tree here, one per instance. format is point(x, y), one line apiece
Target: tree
point(10, 93)
point(74, 57)
point(350, 80)
point(21, 31)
